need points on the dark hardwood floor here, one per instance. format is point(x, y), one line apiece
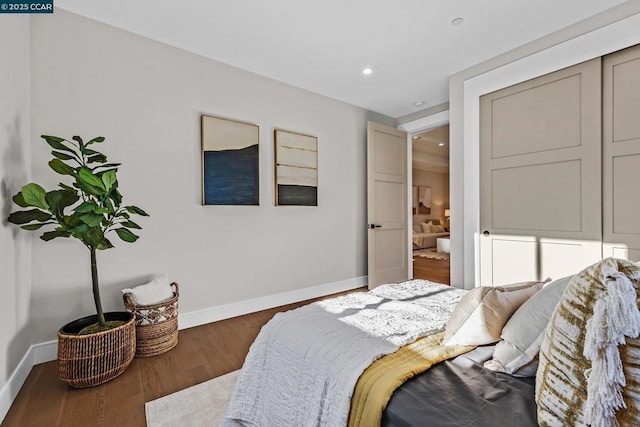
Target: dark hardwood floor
point(435, 270)
point(203, 352)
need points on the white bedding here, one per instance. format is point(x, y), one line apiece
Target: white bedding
point(426, 240)
point(303, 366)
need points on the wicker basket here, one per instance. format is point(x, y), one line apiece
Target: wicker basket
point(156, 324)
point(92, 359)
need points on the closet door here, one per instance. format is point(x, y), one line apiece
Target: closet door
point(621, 154)
point(540, 177)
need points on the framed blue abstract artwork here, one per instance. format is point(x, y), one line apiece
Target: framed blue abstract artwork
point(296, 158)
point(230, 166)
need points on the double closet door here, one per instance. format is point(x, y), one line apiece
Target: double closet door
point(559, 161)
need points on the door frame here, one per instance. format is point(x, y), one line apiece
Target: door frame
point(414, 127)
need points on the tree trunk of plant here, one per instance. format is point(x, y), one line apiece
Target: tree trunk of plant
point(96, 289)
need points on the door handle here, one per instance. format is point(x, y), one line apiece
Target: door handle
point(374, 226)
point(486, 233)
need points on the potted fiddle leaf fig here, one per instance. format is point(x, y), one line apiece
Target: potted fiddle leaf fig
point(89, 210)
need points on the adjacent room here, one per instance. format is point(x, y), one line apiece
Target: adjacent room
point(319, 213)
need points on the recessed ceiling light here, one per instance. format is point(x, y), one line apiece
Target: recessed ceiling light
point(418, 103)
point(367, 71)
point(457, 21)
point(416, 137)
point(441, 144)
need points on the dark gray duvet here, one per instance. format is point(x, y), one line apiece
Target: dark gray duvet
point(461, 392)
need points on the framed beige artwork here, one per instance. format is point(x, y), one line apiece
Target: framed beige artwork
point(296, 169)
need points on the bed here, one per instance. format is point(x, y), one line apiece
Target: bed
point(468, 395)
point(423, 240)
point(420, 353)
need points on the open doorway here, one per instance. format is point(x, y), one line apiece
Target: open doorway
point(430, 205)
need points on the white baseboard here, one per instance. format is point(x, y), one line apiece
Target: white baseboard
point(226, 311)
point(47, 351)
point(13, 385)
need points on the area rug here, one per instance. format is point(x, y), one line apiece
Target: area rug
point(202, 405)
point(430, 253)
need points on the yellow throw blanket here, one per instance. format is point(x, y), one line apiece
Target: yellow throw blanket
point(378, 382)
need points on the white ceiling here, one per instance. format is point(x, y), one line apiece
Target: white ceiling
point(429, 141)
point(323, 45)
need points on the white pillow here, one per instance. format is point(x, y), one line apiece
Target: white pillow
point(480, 315)
point(426, 227)
point(517, 353)
point(154, 292)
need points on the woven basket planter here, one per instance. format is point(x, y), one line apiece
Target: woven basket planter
point(92, 359)
point(156, 324)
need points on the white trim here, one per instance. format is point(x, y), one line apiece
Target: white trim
point(44, 352)
point(435, 120)
point(47, 351)
point(413, 127)
point(599, 42)
point(15, 382)
point(213, 314)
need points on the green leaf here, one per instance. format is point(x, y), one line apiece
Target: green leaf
point(97, 139)
point(50, 235)
point(56, 143)
point(136, 210)
point(71, 221)
point(79, 230)
point(61, 167)
point(97, 158)
point(85, 207)
point(18, 199)
point(131, 224)
point(91, 219)
point(108, 179)
point(32, 227)
point(60, 199)
point(24, 217)
point(101, 210)
point(77, 139)
point(93, 237)
point(33, 195)
point(62, 156)
point(87, 177)
point(66, 187)
point(108, 165)
point(116, 197)
point(105, 244)
point(126, 235)
point(109, 204)
point(89, 189)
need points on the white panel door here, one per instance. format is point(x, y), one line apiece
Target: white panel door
point(540, 177)
point(621, 154)
point(387, 204)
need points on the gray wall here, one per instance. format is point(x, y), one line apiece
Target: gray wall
point(15, 246)
point(146, 98)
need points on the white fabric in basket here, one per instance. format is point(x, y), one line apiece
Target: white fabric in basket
point(157, 290)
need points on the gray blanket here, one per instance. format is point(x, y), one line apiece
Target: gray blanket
point(303, 366)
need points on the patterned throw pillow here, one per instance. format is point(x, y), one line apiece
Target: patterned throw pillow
point(437, 229)
point(589, 368)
